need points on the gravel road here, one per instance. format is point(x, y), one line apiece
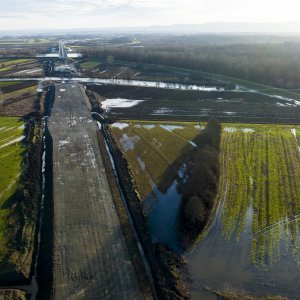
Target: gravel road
point(91, 259)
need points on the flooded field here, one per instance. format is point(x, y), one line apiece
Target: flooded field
point(230, 105)
point(252, 245)
point(159, 100)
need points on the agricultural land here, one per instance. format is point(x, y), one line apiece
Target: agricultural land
point(258, 198)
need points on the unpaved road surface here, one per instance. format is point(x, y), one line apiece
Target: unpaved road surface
point(91, 259)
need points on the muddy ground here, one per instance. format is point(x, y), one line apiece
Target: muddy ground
point(227, 106)
point(22, 104)
point(91, 258)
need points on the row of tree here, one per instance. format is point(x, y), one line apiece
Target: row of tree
point(200, 188)
point(276, 64)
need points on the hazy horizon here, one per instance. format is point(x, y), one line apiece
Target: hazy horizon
point(210, 28)
point(94, 14)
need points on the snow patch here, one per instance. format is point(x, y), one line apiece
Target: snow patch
point(121, 126)
point(162, 111)
point(229, 113)
point(293, 131)
point(64, 142)
point(9, 128)
point(13, 141)
point(230, 129)
point(201, 127)
point(246, 130)
point(285, 104)
point(149, 126)
point(127, 142)
point(141, 162)
point(193, 144)
point(119, 102)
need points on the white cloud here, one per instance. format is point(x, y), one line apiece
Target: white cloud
point(114, 13)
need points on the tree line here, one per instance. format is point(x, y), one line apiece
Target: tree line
point(199, 190)
point(275, 64)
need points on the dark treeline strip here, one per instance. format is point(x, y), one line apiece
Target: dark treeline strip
point(276, 64)
point(200, 187)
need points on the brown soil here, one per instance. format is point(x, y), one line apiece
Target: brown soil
point(25, 105)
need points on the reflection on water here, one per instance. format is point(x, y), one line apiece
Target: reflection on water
point(222, 263)
point(153, 84)
point(161, 210)
point(253, 244)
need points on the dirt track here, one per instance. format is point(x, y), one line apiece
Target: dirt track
point(91, 259)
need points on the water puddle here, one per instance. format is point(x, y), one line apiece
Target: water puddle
point(229, 129)
point(124, 82)
point(128, 142)
point(121, 126)
point(153, 84)
point(162, 111)
point(161, 210)
point(171, 127)
point(222, 262)
point(248, 130)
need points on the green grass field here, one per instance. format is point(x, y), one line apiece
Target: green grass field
point(11, 151)
point(7, 83)
point(260, 176)
point(261, 184)
point(8, 65)
point(155, 147)
point(13, 62)
point(91, 64)
point(29, 90)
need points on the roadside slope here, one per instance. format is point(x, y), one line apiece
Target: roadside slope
point(91, 258)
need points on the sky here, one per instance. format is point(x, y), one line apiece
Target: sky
point(28, 14)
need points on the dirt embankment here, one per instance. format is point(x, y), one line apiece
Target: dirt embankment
point(166, 266)
point(95, 101)
point(123, 217)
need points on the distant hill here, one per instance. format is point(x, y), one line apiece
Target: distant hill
point(239, 27)
point(205, 28)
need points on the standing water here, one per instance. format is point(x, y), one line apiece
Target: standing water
point(34, 284)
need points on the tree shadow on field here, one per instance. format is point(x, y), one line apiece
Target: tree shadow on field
point(197, 174)
point(16, 197)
